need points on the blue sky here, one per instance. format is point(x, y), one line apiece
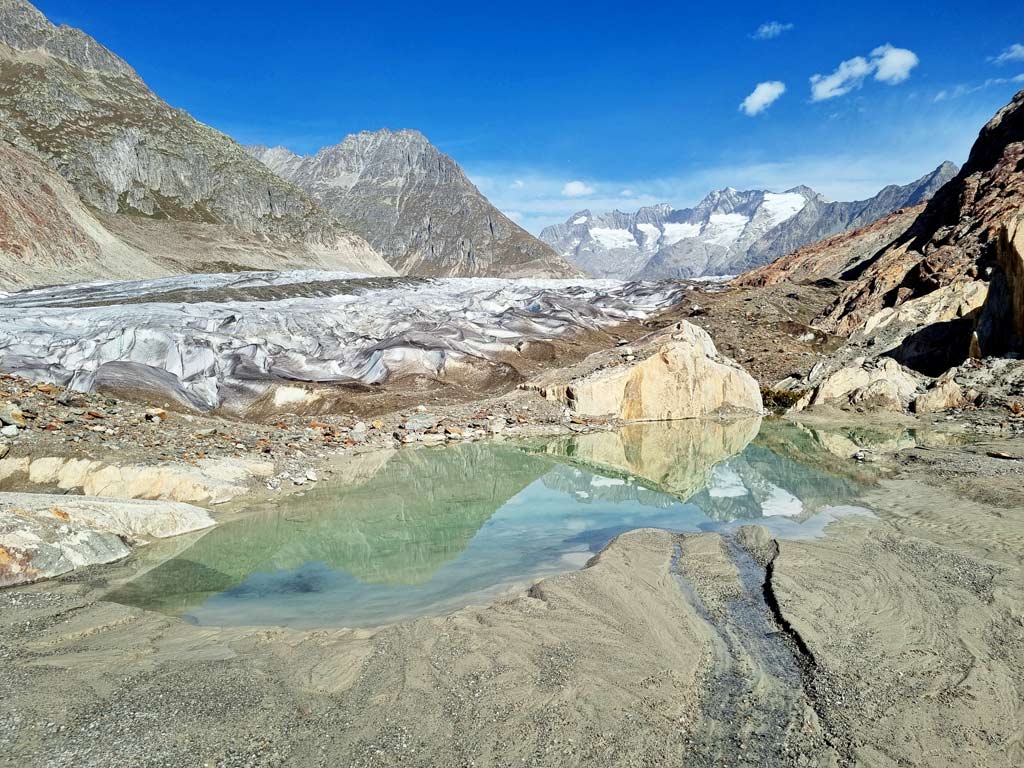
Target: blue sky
point(553, 107)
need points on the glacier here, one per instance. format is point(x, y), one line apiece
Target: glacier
point(224, 340)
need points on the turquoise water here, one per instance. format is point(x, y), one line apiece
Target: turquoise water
point(423, 531)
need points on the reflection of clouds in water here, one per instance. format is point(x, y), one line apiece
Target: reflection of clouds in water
point(725, 483)
point(598, 481)
point(811, 528)
point(781, 503)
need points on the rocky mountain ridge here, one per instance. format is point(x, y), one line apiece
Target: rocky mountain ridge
point(415, 206)
point(728, 232)
point(935, 292)
point(135, 161)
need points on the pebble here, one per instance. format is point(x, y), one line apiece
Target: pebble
point(12, 415)
point(9, 431)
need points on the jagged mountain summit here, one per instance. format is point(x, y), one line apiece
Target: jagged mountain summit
point(728, 232)
point(415, 205)
point(172, 193)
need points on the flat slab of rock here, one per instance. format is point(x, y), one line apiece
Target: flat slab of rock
point(42, 535)
point(210, 480)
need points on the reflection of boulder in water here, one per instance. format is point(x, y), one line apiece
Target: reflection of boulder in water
point(788, 462)
point(831, 448)
point(418, 512)
point(674, 456)
point(586, 487)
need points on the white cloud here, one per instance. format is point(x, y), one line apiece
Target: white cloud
point(576, 189)
point(1014, 53)
point(893, 65)
point(627, 193)
point(889, 64)
point(518, 184)
point(848, 75)
point(771, 29)
point(762, 97)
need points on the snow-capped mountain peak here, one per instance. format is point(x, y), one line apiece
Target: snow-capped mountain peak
point(727, 232)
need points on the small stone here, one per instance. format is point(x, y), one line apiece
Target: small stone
point(360, 426)
point(311, 475)
point(9, 431)
point(5, 448)
point(156, 415)
point(421, 422)
point(12, 415)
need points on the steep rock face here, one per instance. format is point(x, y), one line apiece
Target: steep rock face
point(680, 377)
point(82, 110)
point(729, 232)
point(955, 239)
point(46, 232)
point(416, 207)
point(833, 256)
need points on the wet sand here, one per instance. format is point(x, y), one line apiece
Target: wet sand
point(895, 640)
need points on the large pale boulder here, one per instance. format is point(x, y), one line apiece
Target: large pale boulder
point(42, 536)
point(681, 376)
point(880, 384)
point(942, 397)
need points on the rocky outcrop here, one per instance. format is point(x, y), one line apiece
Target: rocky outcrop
point(209, 481)
point(416, 207)
point(944, 396)
point(679, 376)
point(831, 257)
point(954, 240)
point(726, 233)
point(1001, 326)
point(866, 384)
point(201, 199)
point(949, 289)
point(44, 536)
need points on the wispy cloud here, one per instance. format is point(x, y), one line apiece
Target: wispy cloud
point(965, 89)
point(762, 97)
point(1014, 53)
point(576, 189)
point(889, 65)
point(771, 29)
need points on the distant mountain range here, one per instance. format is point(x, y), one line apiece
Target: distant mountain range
point(416, 207)
point(132, 187)
point(728, 232)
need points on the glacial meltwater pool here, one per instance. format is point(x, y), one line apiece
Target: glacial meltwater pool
point(420, 531)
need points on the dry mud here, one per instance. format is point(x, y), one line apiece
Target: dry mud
point(895, 640)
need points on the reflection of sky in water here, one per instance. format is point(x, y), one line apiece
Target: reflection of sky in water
point(490, 517)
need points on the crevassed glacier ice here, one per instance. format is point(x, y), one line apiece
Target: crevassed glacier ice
point(212, 340)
